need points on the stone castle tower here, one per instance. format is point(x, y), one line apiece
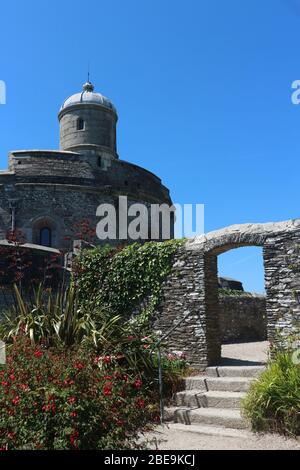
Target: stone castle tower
point(46, 193)
point(88, 123)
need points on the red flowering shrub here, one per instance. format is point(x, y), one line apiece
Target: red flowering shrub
point(63, 399)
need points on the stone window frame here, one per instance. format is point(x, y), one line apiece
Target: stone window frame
point(80, 124)
point(43, 223)
point(49, 236)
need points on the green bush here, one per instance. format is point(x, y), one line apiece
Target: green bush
point(74, 398)
point(174, 368)
point(273, 402)
point(126, 280)
point(71, 399)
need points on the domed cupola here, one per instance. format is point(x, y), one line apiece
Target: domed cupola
point(88, 122)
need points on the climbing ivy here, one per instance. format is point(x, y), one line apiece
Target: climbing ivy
point(128, 280)
point(234, 293)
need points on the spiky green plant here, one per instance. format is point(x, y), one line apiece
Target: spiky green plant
point(273, 402)
point(50, 317)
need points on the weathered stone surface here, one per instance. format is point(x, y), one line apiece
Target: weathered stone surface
point(193, 287)
point(223, 240)
point(243, 318)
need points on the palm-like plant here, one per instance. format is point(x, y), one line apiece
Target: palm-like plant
point(59, 316)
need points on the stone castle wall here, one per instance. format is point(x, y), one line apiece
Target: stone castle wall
point(242, 318)
point(60, 189)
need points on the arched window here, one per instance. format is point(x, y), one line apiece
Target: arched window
point(80, 124)
point(45, 236)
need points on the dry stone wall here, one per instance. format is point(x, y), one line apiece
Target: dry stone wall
point(192, 288)
point(242, 318)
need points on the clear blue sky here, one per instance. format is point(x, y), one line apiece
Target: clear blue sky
point(202, 88)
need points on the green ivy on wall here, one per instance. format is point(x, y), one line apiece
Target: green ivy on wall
point(128, 280)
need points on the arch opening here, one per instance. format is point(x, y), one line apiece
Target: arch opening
point(44, 232)
point(45, 237)
point(242, 312)
point(236, 323)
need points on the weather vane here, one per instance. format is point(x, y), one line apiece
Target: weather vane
point(88, 72)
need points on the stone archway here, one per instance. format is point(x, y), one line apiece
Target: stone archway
point(32, 229)
point(192, 288)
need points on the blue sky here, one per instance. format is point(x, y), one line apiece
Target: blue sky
point(202, 88)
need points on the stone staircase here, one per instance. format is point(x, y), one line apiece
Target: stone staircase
point(210, 403)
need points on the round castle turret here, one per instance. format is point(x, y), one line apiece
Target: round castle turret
point(88, 122)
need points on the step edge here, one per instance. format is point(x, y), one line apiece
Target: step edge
point(211, 430)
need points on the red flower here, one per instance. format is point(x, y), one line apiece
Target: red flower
point(24, 387)
point(79, 366)
point(68, 382)
point(72, 400)
point(107, 391)
point(50, 407)
point(38, 354)
point(73, 414)
point(73, 438)
point(107, 359)
point(138, 384)
point(16, 401)
point(141, 403)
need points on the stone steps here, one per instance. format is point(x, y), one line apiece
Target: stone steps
point(235, 371)
point(214, 399)
point(209, 430)
point(229, 418)
point(210, 403)
point(226, 384)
